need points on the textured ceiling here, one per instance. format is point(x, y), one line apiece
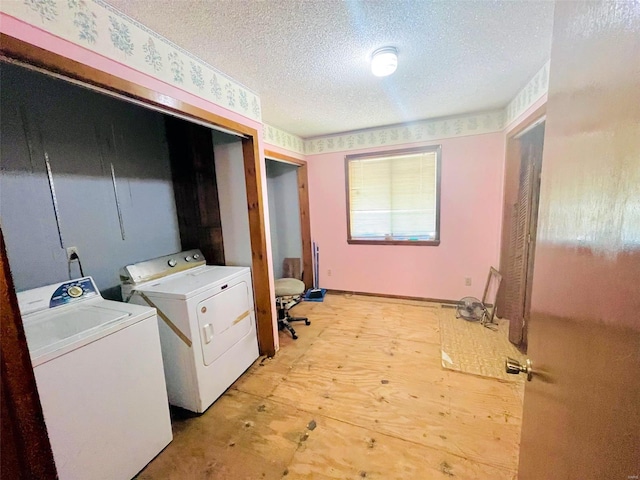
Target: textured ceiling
point(309, 59)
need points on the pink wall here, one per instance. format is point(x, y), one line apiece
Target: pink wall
point(470, 215)
point(472, 184)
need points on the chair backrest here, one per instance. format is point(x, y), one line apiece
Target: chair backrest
point(292, 268)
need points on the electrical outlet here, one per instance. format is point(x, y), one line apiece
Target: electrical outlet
point(329, 273)
point(467, 281)
point(71, 251)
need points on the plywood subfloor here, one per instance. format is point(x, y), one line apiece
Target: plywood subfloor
point(472, 348)
point(361, 394)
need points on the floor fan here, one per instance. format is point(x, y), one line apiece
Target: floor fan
point(474, 310)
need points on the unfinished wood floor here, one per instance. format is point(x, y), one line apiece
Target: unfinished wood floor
point(367, 375)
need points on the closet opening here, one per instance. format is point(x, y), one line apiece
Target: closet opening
point(51, 64)
point(519, 227)
point(18, 384)
point(288, 194)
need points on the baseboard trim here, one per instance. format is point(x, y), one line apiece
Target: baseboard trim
point(399, 297)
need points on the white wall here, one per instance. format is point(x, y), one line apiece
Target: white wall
point(74, 126)
point(232, 194)
point(284, 213)
point(272, 185)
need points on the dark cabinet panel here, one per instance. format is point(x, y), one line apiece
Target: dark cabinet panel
point(196, 188)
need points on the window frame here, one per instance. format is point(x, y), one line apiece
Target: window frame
point(390, 153)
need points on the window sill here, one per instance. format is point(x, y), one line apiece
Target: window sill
point(431, 243)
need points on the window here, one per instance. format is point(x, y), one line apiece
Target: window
point(394, 197)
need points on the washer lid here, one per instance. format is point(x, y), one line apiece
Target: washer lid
point(54, 332)
point(187, 284)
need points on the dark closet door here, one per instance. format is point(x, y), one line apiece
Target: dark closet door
point(524, 221)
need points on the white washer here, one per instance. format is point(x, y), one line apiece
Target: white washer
point(207, 323)
point(98, 369)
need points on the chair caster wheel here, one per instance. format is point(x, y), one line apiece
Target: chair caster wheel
point(307, 322)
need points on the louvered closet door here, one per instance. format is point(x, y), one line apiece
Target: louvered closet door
point(520, 248)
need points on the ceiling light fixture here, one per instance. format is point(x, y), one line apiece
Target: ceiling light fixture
point(384, 61)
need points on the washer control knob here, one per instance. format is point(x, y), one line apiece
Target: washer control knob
point(188, 258)
point(75, 291)
point(196, 256)
point(172, 263)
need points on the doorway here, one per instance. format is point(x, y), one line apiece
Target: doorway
point(289, 214)
point(284, 217)
point(520, 210)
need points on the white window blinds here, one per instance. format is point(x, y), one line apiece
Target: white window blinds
point(394, 198)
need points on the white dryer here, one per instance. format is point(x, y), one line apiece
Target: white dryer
point(207, 323)
point(98, 370)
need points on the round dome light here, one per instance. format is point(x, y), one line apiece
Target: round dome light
point(384, 61)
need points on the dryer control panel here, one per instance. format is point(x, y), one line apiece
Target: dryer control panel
point(161, 267)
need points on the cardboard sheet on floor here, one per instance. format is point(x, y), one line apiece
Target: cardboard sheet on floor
point(291, 268)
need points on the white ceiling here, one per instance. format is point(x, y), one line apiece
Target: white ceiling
point(308, 60)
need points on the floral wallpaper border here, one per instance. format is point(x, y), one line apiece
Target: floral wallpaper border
point(95, 25)
point(435, 129)
point(280, 138)
point(530, 93)
point(426, 130)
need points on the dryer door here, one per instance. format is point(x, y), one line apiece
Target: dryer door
point(224, 320)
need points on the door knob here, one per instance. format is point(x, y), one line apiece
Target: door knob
point(514, 367)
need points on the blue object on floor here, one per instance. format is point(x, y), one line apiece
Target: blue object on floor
point(315, 295)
